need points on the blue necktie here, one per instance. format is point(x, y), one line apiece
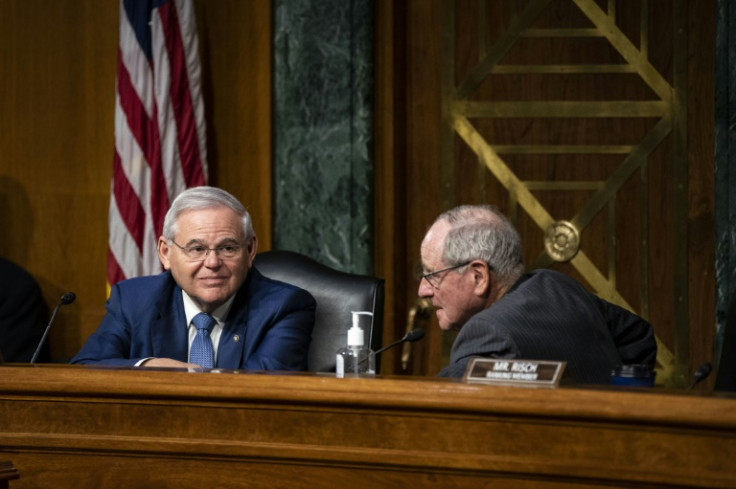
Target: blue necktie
point(202, 352)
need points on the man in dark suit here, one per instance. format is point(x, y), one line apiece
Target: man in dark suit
point(23, 314)
point(474, 275)
point(210, 307)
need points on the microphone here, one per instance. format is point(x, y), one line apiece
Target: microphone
point(67, 298)
point(413, 335)
point(701, 374)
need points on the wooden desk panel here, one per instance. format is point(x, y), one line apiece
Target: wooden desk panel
point(7, 473)
point(69, 426)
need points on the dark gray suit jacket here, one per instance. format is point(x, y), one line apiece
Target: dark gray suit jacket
point(547, 315)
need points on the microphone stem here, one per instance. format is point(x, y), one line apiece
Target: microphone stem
point(381, 350)
point(45, 333)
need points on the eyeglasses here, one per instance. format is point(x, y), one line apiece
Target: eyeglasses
point(198, 252)
point(434, 279)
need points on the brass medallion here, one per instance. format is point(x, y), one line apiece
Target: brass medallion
point(561, 241)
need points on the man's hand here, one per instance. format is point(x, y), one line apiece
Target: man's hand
point(168, 362)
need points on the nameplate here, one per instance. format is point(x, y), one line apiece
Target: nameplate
point(522, 373)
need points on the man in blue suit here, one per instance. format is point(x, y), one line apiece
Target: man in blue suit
point(210, 308)
point(474, 275)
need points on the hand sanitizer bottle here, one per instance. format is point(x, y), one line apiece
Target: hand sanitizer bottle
point(356, 359)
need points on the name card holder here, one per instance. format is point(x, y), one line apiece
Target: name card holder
point(516, 372)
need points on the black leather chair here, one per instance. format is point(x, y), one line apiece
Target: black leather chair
point(337, 294)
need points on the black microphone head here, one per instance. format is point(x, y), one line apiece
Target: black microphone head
point(701, 374)
point(704, 370)
point(68, 298)
point(415, 334)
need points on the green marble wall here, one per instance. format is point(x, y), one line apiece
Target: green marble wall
point(725, 169)
point(323, 134)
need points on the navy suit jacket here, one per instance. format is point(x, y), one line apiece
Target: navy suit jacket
point(269, 325)
point(547, 315)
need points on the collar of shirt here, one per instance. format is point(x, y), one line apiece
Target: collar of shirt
point(220, 314)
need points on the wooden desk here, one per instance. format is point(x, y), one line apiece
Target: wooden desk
point(7, 473)
point(79, 427)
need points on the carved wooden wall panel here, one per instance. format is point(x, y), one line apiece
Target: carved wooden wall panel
point(572, 117)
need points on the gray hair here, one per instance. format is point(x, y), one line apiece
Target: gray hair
point(197, 198)
point(481, 232)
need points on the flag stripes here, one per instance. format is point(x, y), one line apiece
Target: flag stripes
point(160, 146)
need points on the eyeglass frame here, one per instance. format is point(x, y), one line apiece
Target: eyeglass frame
point(216, 249)
point(426, 276)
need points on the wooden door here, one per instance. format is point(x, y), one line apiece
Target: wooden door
point(589, 123)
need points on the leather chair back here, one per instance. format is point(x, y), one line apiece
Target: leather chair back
point(337, 294)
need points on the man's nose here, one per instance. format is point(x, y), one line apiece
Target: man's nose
point(212, 259)
point(425, 290)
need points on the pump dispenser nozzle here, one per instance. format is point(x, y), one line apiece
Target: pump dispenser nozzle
point(356, 337)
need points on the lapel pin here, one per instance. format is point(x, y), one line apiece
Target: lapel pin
point(236, 338)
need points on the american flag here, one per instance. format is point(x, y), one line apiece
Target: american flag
point(159, 129)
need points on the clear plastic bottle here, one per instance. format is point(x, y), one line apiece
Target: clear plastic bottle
point(356, 359)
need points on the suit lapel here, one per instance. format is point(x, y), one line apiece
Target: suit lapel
point(245, 324)
point(232, 340)
point(169, 329)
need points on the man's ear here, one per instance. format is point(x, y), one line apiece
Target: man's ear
point(253, 248)
point(163, 252)
point(481, 275)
